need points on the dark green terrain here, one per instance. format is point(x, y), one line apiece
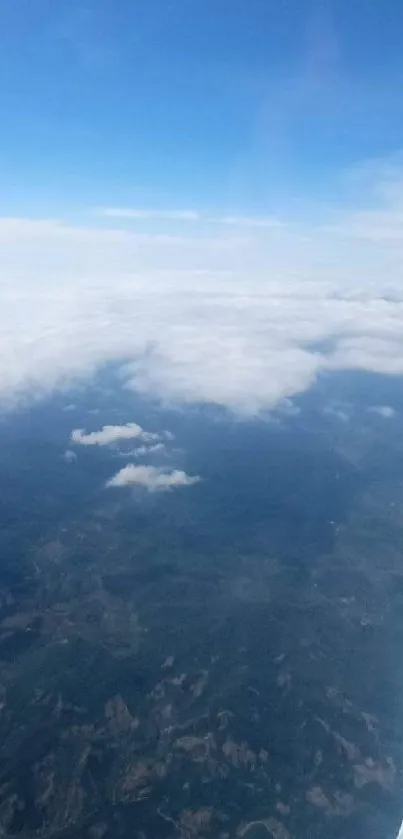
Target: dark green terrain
point(221, 661)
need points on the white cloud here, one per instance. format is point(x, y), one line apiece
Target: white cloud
point(112, 434)
point(157, 448)
point(385, 411)
point(288, 409)
point(153, 479)
point(244, 322)
point(247, 221)
point(131, 213)
point(135, 214)
point(337, 413)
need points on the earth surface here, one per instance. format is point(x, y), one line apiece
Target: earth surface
point(223, 660)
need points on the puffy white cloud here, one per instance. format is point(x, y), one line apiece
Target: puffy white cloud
point(112, 434)
point(385, 411)
point(152, 478)
point(244, 322)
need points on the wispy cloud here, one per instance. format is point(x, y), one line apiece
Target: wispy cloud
point(385, 411)
point(337, 412)
point(138, 214)
point(247, 221)
point(132, 213)
point(141, 451)
point(152, 478)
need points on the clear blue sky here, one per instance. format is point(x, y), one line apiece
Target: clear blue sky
point(250, 104)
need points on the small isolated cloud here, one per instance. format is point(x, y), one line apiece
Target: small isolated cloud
point(152, 478)
point(340, 413)
point(288, 408)
point(385, 411)
point(143, 450)
point(69, 456)
point(112, 434)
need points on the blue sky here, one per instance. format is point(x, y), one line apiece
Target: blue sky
point(210, 190)
point(250, 106)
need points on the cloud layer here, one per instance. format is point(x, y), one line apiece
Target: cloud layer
point(152, 478)
point(242, 318)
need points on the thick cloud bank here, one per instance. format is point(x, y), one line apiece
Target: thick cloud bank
point(243, 320)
